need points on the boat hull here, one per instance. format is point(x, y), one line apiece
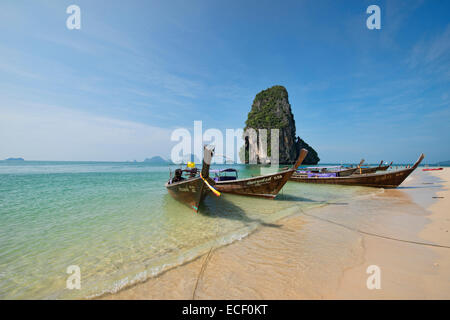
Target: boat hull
point(339, 173)
point(366, 170)
point(190, 192)
point(372, 169)
point(267, 186)
point(380, 180)
point(346, 172)
point(383, 168)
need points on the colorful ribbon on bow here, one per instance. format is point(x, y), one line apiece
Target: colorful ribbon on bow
point(217, 193)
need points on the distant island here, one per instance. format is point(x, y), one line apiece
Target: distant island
point(157, 160)
point(15, 159)
point(443, 163)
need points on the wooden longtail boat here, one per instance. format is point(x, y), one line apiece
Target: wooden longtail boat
point(391, 179)
point(346, 172)
point(266, 186)
point(368, 169)
point(359, 165)
point(192, 190)
point(336, 171)
point(384, 168)
point(373, 169)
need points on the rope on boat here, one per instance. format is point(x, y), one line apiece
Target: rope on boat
point(208, 256)
point(204, 264)
point(217, 193)
point(202, 270)
point(374, 234)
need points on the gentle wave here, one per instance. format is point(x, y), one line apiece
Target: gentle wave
point(120, 227)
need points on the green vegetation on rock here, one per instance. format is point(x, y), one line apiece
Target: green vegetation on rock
point(271, 110)
point(265, 114)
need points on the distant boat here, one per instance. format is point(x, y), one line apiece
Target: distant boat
point(336, 171)
point(390, 179)
point(332, 171)
point(265, 186)
point(384, 168)
point(192, 190)
point(373, 169)
point(432, 169)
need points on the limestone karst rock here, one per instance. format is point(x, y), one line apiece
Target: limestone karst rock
point(271, 110)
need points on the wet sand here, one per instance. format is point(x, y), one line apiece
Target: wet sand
point(324, 253)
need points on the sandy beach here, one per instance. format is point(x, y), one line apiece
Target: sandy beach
point(409, 271)
point(324, 253)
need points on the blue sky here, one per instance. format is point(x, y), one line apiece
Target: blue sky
point(137, 70)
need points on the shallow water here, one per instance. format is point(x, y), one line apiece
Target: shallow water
point(118, 224)
point(320, 252)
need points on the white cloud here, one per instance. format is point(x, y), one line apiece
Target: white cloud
point(38, 132)
point(431, 51)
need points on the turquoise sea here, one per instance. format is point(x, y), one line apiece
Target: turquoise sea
point(117, 223)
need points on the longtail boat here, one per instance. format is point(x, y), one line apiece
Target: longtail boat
point(192, 189)
point(334, 171)
point(358, 166)
point(390, 179)
point(266, 186)
point(370, 169)
point(384, 168)
point(346, 172)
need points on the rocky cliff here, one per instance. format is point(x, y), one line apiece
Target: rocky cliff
point(271, 110)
